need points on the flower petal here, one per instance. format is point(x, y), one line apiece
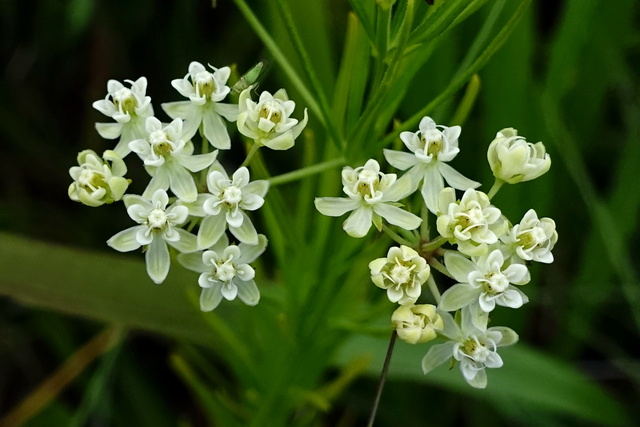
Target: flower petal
point(158, 260)
point(455, 179)
point(251, 252)
point(431, 187)
point(193, 261)
point(459, 266)
point(436, 356)
point(125, 241)
point(210, 297)
point(187, 242)
point(215, 130)
point(211, 229)
point(359, 222)
point(182, 184)
point(248, 291)
point(397, 216)
point(458, 296)
point(246, 233)
point(335, 206)
point(400, 159)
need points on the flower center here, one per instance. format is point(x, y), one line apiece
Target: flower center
point(400, 273)
point(531, 238)
point(270, 110)
point(157, 219)
point(470, 218)
point(495, 283)
point(475, 350)
point(205, 84)
point(432, 142)
point(225, 271)
point(368, 182)
point(231, 196)
point(162, 146)
point(90, 180)
point(125, 101)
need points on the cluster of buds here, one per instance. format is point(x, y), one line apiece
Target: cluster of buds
point(188, 191)
point(485, 254)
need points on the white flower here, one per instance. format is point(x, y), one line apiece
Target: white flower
point(95, 182)
point(225, 204)
point(472, 222)
point(169, 159)
point(371, 196)
point(159, 225)
point(205, 90)
point(532, 239)
point(225, 272)
point(473, 348)
point(430, 149)
point(482, 284)
point(416, 323)
point(401, 273)
point(129, 108)
point(513, 159)
point(267, 122)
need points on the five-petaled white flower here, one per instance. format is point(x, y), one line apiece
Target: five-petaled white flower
point(95, 182)
point(371, 197)
point(532, 239)
point(169, 159)
point(482, 284)
point(431, 147)
point(473, 348)
point(267, 122)
point(129, 108)
point(225, 204)
point(513, 159)
point(472, 222)
point(402, 273)
point(225, 272)
point(416, 323)
point(159, 225)
point(205, 90)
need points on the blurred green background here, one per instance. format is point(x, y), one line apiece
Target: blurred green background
point(568, 75)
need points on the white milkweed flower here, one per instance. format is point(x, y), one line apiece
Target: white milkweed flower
point(416, 323)
point(471, 222)
point(371, 197)
point(473, 348)
point(402, 273)
point(482, 284)
point(513, 159)
point(95, 181)
point(205, 90)
point(268, 121)
point(532, 239)
point(225, 272)
point(129, 108)
point(159, 226)
point(169, 158)
point(432, 146)
point(225, 204)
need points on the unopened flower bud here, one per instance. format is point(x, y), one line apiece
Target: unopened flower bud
point(416, 323)
point(513, 159)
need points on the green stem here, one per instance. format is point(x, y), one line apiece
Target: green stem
point(252, 151)
point(395, 236)
point(305, 172)
point(434, 244)
point(496, 186)
point(440, 267)
point(383, 377)
point(433, 287)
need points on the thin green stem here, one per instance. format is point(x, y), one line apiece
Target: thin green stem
point(434, 244)
point(252, 151)
point(433, 287)
point(496, 187)
point(440, 267)
point(395, 236)
point(306, 172)
point(383, 377)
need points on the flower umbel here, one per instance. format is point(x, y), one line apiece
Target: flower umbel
point(402, 273)
point(159, 225)
point(371, 196)
point(95, 181)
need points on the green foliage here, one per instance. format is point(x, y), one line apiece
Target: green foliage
point(366, 72)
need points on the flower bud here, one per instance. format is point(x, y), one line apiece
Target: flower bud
point(95, 181)
point(416, 323)
point(513, 159)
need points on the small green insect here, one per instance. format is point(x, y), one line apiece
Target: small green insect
point(250, 77)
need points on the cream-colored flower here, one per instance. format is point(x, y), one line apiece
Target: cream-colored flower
point(513, 159)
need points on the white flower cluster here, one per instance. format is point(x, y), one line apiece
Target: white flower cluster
point(488, 255)
point(204, 196)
